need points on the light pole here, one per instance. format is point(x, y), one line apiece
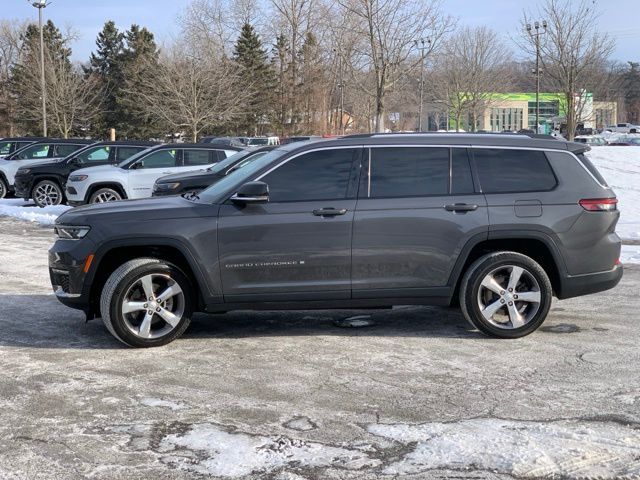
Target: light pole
point(423, 45)
point(40, 4)
point(540, 29)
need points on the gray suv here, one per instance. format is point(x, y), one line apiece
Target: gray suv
point(498, 223)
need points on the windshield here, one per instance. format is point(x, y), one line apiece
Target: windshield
point(217, 191)
point(125, 163)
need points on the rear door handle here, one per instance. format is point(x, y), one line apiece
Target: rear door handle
point(329, 212)
point(460, 207)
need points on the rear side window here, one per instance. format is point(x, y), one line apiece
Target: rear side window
point(126, 152)
point(199, 157)
point(592, 169)
point(505, 171)
point(65, 150)
point(407, 172)
point(461, 178)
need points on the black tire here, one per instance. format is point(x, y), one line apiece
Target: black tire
point(122, 281)
point(103, 195)
point(47, 193)
point(4, 189)
point(533, 278)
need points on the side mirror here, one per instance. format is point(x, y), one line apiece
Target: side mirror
point(252, 192)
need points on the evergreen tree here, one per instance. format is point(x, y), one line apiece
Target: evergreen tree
point(280, 63)
point(258, 77)
point(106, 64)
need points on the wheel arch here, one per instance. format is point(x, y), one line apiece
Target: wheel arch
point(109, 184)
point(47, 176)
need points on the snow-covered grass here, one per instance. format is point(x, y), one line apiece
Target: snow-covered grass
point(566, 449)
point(22, 210)
point(620, 166)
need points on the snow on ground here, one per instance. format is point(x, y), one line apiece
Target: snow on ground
point(18, 208)
point(630, 254)
point(620, 166)
point(564, 448)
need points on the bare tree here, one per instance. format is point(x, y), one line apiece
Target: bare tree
point(471, 69)
point(573, 52)
point(386, 32)
point(191, 93)
point(207, 27)
point(10, 43)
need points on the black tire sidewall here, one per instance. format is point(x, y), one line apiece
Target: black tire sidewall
point(491, 263)
point(101, 190)
point(4, 190)
point(55, 184)
point(117, 320)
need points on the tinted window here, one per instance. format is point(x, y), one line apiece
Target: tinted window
point(408, 172)
point(34, 151)
point(125, 152)
point(503, 171)
point(95, 154)
point(461, 179)
point(592, 169)
point(5, 148)
point(159, 159)
point(321, 175)
point(65, 150)
point(199, 157)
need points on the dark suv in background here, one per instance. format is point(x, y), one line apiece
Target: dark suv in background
point(11, 144)
point(45, 182)
point(499, 223)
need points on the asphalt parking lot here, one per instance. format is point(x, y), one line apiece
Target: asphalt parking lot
point(416, 394)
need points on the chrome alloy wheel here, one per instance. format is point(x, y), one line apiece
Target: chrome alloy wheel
point(46, 193)
point(105, 197)
point(509, 297)
point(153, 306)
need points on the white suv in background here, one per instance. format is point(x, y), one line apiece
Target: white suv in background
point(134, 178)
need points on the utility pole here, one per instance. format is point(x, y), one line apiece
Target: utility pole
point(341, 85)
point(423, 45)
point(539, 31)
point(40, 4)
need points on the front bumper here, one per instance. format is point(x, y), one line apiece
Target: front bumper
point(23, 185)
point(578, 285)
point(75, 193)
point(66, 271)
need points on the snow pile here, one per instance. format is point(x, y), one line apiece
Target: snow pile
point(620, 166)
point(224, 454)
point(22, 210)
point(566, 449)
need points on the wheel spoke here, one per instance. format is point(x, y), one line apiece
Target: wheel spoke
point(514, 278)
point(171, 291)
point(491, 309)
point(129, 307)
point(145, 326)
point(147, 286)
point(169, 317)
point(517, 320)
point(529, 297)
point(491, 283)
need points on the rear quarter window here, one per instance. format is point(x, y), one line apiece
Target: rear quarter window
point(592, 169)
point(512, 171)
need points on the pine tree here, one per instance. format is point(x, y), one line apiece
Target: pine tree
point(281, 62)
point(258, 76)
point(106, 64)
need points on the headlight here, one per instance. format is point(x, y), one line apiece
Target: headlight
point(163, 187)
point(71, 232)
point(78, 178)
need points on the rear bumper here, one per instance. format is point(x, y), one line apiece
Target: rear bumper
point(578, 285)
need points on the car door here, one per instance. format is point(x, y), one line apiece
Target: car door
point(417, 207)
point(142, 174)
point(298, 245)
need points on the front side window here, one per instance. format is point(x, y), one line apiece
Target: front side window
point(33, 152)
point(95, 154)
point(158, 159)
point(65, 150)
point(320, 175)
point(407, 172)
point(199, 157)
point(504, 170)
point(5, 148)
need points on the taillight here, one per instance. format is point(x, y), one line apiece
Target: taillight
point(599, 204)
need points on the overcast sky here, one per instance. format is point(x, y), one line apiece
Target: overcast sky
point(620, 19)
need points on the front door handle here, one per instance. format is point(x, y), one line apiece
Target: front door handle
point(329, 212)
point(460, 207)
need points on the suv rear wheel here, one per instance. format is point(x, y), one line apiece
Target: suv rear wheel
point(3, 188)
point(47, 192)
point(505, 295)
point(104, 195)
point(146, 303)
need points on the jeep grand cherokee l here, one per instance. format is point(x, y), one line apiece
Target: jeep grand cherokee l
point(499, 223)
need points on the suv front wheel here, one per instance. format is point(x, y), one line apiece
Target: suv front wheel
point(505, 295)
point(146, 302)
